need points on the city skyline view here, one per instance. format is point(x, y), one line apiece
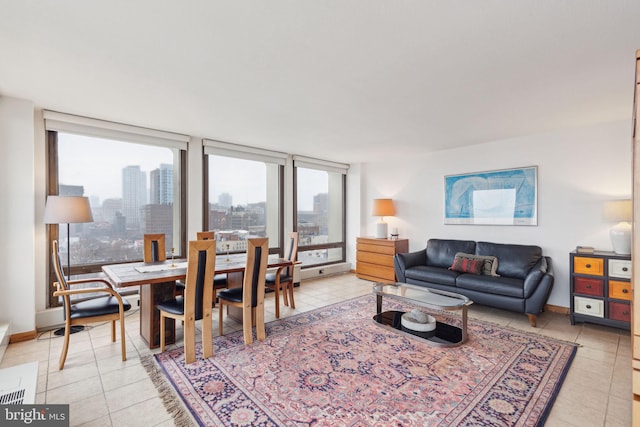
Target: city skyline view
point(74, 169)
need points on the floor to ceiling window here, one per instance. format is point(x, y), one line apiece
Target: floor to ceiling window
point(243, 195)
point(134, 184)
point(320, 211)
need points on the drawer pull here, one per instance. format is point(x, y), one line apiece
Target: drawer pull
point(588, 286)
point(588, 265)
point(626, 313)
point(589, 306)
point(625, 291)
point(625, 269)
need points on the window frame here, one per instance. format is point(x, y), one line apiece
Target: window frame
point(322, 165)
point(59, 122)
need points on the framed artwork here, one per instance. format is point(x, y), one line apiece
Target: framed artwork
point(501, 197)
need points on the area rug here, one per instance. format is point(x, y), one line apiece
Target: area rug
point(335, 366)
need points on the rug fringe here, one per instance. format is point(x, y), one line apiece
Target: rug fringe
point(170, 399)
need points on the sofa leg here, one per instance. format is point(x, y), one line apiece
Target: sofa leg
point(532, 320)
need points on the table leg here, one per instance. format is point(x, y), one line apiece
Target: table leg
point(150, 297)
point(464, 324)
point(378, 304)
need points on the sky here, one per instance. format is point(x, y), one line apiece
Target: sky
point(98, 167)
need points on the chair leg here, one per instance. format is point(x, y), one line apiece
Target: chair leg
point(247, 319)
point(290, 287)
point(123, 338)
point(284, 293)
point(162, 322)
point(259, 318)
point(277, 298)
point(190, 340)
point(207, 335)
point(65, 346)
point(113, 331)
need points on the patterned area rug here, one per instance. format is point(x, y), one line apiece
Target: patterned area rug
point(334, 366)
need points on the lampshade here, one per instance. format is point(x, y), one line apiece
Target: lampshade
point(67, 210)
point(618, 210)
point(383, 207)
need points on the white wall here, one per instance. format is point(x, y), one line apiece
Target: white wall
point(17, 251)
point(578, 169)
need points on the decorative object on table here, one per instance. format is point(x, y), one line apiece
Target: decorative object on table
point(417, 320)
point(619, 211)
point(173, 251)
point(67, 210)
point(382, 208)
point(227, 245)
point(502, 374)
point(501, 197)
point(394, 233)
point(585, 249)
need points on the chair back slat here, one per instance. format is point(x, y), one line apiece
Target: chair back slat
point(255, 271)
point(205, 235)
point(292, 252)
point(155, 248)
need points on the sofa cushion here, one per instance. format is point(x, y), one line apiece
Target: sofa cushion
point(489, 263)
point(440, 253)
point(513, 260)
point(429, 274)
point(465, 263)
point(506, 286)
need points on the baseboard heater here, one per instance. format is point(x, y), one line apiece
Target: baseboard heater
point(18, 384)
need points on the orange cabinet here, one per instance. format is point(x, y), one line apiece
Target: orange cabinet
point(374, 258)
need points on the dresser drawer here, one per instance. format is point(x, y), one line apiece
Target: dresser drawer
point(620, 268)
point(374, 258)
point(619, 311)
point(585, 285)
point(590, 306)
point(620, 290)
point(377, 249)
point(586, 265)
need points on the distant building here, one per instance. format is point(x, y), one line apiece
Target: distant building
point(134, 194)
point(225, 200)
point(161, 185)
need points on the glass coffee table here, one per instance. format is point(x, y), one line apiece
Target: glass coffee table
point(444, 335)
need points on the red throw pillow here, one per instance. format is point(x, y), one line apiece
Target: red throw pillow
point(467, 265)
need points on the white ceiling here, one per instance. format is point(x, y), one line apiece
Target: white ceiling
point(344, 80)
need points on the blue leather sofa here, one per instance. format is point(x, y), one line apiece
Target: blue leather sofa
point(523, 282)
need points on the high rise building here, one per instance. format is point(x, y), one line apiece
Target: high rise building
point(161, 185)
point(225, 200)
point(134, 194)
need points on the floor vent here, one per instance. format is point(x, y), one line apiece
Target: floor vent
point(18, 384)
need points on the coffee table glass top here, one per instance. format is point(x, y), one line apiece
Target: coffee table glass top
point(428, 297)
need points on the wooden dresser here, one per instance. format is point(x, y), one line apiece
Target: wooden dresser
point(374, 258)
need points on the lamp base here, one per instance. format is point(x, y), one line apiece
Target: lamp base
point(381, 230)
point(621, 238)
point(74, 329)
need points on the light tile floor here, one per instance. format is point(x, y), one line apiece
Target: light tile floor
point(104, 391)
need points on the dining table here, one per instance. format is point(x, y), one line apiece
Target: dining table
point(157, 282)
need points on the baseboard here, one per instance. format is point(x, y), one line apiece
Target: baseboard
point(556, 309)
point(324, 270)
point(23, 336)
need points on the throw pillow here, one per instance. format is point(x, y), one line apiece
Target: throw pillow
point(465, 264)
point(489, 263)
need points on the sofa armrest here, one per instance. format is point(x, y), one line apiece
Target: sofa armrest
point(410, 259)
point(540, 276)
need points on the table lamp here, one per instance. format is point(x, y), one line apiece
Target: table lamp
point(382, 208)
point(67, 210)
point(619, 211)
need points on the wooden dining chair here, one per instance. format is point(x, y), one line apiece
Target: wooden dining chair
point(250, 297)
point(106, 308)
point(155, 248)
point(282, 278)
point(196, 302)
point(219, 280)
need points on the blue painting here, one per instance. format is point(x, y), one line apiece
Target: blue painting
point(502, 197)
